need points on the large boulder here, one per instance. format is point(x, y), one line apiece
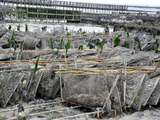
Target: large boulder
point(30, 42)
point(49, 85)
point(91, 90)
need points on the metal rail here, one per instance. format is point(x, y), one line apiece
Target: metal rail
point(73, 11)
point(67, 4)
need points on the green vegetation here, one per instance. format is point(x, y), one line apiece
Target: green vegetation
point(117, 40)
point(127, 33)
point(12, 41)
point(68, 45)
point(80, 47)
point(126, 44)
point(100, 46)
point(36, 65)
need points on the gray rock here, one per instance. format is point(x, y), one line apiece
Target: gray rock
point(3, 31)
point(49, 85)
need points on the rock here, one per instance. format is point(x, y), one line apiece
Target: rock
point(31, 43)
point(29, 54)
point(3, 31)
point(11, 82)
point(4, 40)
point(28, 39)
point(49, 85)
point(155, 97)
point(149, 46)
point(134, 83)
point(89, 90)
point(9, 86)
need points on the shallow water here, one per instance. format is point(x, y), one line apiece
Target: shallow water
point(35, 27)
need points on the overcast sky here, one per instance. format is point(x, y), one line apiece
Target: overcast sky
point(124, 2)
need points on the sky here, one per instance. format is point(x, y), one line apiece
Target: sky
point(123, 2)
